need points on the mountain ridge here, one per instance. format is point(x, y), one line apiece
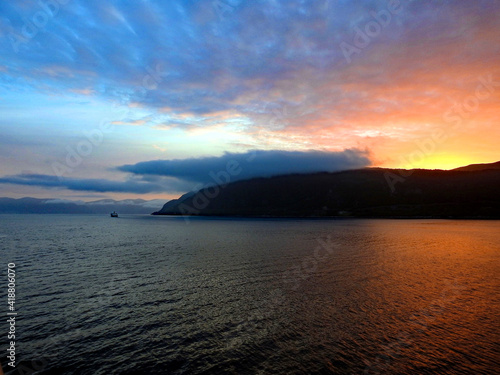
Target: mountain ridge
point(368, 192)
point(479, 167)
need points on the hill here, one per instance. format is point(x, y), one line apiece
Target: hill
point(371, 192)
point(479, 167)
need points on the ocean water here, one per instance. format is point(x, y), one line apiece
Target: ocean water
point(161, 295)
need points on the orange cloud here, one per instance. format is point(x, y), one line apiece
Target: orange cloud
point(394, 100)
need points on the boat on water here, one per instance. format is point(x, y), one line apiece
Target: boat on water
point(114, 214)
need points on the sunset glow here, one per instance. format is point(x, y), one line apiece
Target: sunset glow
point(414, 84)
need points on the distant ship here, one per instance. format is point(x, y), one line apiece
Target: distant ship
point(114, 214)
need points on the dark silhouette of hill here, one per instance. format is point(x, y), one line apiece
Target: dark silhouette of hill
point(370, 192)
point(479, 167)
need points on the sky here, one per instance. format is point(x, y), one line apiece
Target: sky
point(151, 99)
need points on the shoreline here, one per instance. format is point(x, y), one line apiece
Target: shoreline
point(420, 217)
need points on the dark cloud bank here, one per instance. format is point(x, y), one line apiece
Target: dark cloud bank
point(252, 164)
point(181, 175)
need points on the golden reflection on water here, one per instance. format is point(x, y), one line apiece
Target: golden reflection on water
point(233, 296)
point(426, 292)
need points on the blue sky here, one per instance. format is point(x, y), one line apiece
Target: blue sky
point(89, 87)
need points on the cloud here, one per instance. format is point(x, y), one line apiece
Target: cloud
point(182, 175)
point(257, 163)
point(254, 58)
point(95, 185)
point(194, 59)
point(253, 74)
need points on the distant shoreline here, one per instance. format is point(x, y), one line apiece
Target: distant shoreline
point(337, 217)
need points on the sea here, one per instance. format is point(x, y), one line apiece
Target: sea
point(144, 294)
